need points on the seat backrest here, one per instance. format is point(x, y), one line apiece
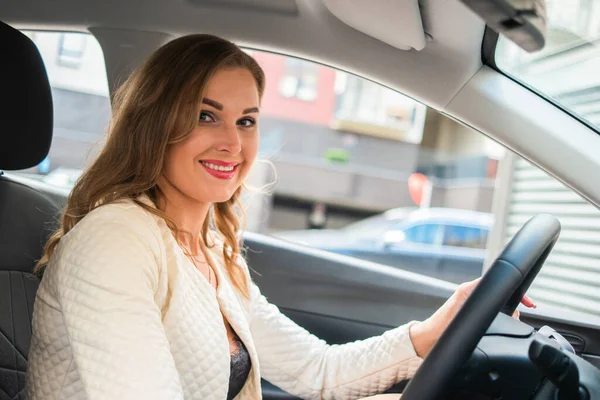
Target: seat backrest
point(26, 215)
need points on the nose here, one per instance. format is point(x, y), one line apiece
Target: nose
point(230, 140)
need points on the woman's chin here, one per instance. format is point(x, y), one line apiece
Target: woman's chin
point(212, 193)
point(221, 196)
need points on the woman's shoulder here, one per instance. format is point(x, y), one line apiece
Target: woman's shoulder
point(113, 242)
point(122, 213)
point(116, 246)
point(114, 225)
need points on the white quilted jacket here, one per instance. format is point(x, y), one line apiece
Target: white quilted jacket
point(122, 314)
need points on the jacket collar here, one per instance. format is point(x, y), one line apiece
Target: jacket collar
point(230, 304)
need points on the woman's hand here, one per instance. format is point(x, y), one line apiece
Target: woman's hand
point(424, 334)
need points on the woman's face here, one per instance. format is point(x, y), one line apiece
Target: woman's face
point(212, 163)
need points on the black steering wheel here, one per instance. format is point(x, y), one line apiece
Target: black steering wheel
point(509, 277)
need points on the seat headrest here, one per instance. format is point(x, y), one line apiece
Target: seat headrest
point(26, 115)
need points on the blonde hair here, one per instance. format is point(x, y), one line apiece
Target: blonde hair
point(158, 106)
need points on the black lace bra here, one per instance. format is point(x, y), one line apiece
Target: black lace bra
point(239, 369)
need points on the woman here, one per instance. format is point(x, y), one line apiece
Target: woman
point(145, 294)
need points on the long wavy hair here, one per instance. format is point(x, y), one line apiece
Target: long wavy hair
point(156, 107)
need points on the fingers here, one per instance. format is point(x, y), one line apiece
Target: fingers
point(527, 302)
point(516, 314)
point(468, 287)
point(473, 283)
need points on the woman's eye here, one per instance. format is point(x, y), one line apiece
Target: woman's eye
point(247, 122)
point(206, 117)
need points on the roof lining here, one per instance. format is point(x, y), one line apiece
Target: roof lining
point(432, 75)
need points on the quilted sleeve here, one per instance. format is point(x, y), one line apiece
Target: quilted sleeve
point(304, 365)
point(104, 278)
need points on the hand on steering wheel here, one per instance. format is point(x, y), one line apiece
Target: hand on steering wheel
point(499, 290)
point(425, 334)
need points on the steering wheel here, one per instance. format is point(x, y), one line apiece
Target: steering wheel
point(509, 277)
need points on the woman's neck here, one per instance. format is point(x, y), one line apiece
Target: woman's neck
point(188, 215)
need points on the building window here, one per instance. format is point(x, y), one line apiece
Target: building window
point(71, 48)
point(368, 108)
point(368, 102)
point(300, 79)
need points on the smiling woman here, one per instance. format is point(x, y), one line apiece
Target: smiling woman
point(224, 143)
point(155, 110)
point(144, 280)
point(145, 293)
point(144, 286)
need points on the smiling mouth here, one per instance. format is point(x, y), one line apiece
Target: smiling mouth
point(221, 168)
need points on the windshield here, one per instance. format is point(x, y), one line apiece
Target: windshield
point(567, 70)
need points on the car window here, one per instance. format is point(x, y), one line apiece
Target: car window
point(424, 234)
point(465, 236)
point(355, 150)
point(75, 66)
point(343, 151)
point(566, 70)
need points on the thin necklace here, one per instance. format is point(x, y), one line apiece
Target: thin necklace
point(210, 275)
point(210, 272)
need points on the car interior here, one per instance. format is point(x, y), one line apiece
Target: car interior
point(439, 53)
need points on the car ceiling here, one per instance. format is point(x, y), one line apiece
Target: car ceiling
point(304, 28)
point(447, 74)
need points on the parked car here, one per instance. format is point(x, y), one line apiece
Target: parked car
point(63, 177)
point(443, 243)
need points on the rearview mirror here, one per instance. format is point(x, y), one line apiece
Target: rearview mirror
point(521, 21)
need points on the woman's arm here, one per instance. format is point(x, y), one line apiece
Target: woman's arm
point(300, 363)
point(105, 279)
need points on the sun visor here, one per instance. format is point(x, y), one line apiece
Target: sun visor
point(397, 23)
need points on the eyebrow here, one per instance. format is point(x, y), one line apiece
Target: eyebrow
point(251, 110)
point(219, 106)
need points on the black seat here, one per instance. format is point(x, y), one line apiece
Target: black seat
point(26, 215)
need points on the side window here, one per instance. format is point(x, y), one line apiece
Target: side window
point(356, 150)
point(75, 66)
point(465, 236)
point(424, 234)
point(353, 159)
point(346, 149)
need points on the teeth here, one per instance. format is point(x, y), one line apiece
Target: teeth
point(217, 167)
